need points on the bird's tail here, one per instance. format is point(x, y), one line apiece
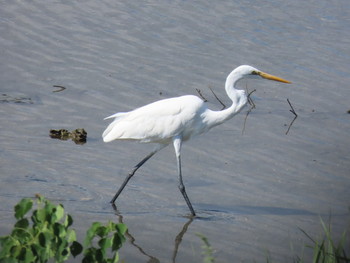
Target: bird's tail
point(107, 134)
point(107, 131)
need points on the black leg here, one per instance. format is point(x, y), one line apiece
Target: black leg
point(131, 174)
point(177, 147)
point(182, 188)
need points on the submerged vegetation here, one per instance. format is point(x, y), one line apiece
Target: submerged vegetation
point(208, 251)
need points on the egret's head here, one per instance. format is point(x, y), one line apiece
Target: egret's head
point(246, 71)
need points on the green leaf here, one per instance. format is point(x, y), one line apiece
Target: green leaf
point(61, 250)
point(39, 216)
point(99, 255)
point(7, 243)
point(65, 253)
point(111, 226)
point(59, 230)
point(115, 258)
point(42, 253)
point(76, 248)
point(21, 235)
point(26, 255)
point(46, 241)
point(22, 253)
point(90, 234)
point(49, 212)
point(42, 239)
point(105, 243)
point(89, 257)
point(15, 250)
point(57, 213)
point(8, 260)
point(117, 241)
point(71, 236)
point(121, 228)
point(48, 205)
point(22, 223)
point(101, 231)
point(68, 221)
point(23, 207)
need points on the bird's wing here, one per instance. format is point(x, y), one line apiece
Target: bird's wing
point(155, 122)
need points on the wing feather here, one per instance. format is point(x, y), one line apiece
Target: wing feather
point(155, 122)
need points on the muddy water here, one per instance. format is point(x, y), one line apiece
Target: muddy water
point(252, 192)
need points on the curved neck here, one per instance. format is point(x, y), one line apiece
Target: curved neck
point(238, 97)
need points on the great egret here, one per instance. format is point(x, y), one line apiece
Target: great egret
point(177, 120)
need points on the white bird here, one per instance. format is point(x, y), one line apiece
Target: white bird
point(176, 120)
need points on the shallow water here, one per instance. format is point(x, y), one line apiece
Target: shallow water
point(252, 192)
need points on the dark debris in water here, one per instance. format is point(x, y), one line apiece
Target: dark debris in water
point(78, 135)
point(5, 98)
point(59, 88)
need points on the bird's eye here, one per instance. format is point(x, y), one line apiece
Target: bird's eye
point(254, 73)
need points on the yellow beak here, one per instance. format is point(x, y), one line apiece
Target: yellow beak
point(271, 77)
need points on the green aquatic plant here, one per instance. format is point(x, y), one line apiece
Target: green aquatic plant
point(326, 249)
point(47, 235)
point(208, 251)
point(110, 236)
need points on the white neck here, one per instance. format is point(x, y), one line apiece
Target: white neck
point(239, 100)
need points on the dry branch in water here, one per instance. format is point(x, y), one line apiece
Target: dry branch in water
point(250, 101)
point(216, 97)
point(201, 95)
point(295, 116)
point(252, 106)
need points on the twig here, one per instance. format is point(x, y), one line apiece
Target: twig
point(60, 88)
point(252, 106)
point(245, 119)
point(250, 100)
point(201, 95)
point(295, 116)
point(216, 97)
point(292, 109)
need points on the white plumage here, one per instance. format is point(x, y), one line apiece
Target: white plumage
point(177, 119)
point(157, 122)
